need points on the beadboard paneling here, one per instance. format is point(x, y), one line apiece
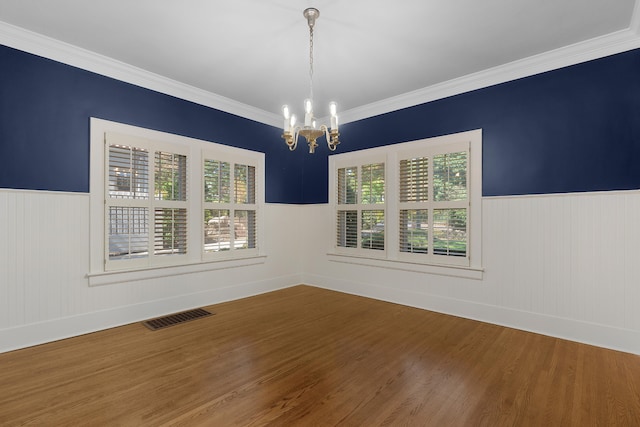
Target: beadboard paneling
point(44, 255)
point(563, 265)
point(44, 261)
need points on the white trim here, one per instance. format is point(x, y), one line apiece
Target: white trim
point(471, 141)
point(233, 158)
point(572, 193)
point(191, 262)
point(29, 41)
point(31, 191)
point(122, 276)
point(635, 19)
point(585, 332)
point(391, 264)
point(43, 332)
point(599, 47)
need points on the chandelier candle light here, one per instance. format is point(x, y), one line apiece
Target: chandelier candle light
point(309, 130)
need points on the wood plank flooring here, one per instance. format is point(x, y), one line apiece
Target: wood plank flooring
point(312, 357)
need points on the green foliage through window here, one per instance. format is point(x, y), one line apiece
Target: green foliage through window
point(170, 176)
point(450, 232)
point(217, 181)
point(450, 177)
point(414, 230)
point(372, 230)
point(347, 185)
point(372, 185)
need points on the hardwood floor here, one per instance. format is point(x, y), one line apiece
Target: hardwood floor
point(308, 356)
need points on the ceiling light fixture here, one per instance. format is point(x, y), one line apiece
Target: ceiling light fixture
point(309, 130)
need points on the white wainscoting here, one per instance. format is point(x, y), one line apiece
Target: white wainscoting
point(561, 265)
point(44, 260)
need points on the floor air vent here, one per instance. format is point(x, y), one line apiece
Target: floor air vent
point(174, 319)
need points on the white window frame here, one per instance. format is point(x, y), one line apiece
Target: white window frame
point(359, 206)
point(150, 203)
point(103, 271)
point(233, 205)
point(469, 266)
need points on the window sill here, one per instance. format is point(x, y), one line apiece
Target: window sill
point(121, 276)
point(444, 270)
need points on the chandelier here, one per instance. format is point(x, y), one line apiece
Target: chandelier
point(309, 130)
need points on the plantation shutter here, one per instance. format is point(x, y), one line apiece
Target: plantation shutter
point(410, 203)
point(170, 212)
point(347, 185)
point(145, 203)
point(230, 211)
point(372, 185)
point(433, 202)
point(128, 172)
point(217, 199)
point(217, 181)
point(347, 220)
point(347, 236)
point(414, 180)
point(170, 231)
point(414, 230)
point(414, 192)
point(128, 192)
point(450, 177)
point(451, 199)
point(244, 222)
point(244, 229)
point(360, 215)
point(372, 218)
point(170, 176)
point(245, 184)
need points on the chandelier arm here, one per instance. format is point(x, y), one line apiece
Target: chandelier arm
point(331, 136)
point(296, 133)
point(326, 135)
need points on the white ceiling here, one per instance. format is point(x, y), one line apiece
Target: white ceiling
point(256, 52)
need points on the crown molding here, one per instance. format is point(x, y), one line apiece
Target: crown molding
point(50, 48)
point(610, 44)
point(635, 19)
point(37, 44)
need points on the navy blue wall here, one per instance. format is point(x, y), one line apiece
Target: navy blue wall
point(569, 130)
point(44, 126)
point(573, 129)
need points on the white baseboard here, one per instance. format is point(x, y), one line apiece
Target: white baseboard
point(625, 340)
point(589, 333)
point(43, 332)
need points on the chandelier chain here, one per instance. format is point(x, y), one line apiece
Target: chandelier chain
point(311, 62)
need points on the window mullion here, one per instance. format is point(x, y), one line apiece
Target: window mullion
point(392, 200)
point(233, 206)
point(359, 227)
point(429, 204)
point(454, 204)
point(152, 205)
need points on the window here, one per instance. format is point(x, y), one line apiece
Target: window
point(433, 203)
point(360, 212)
point(229, 206)
point(416, 202)
point(146, 203)
point(163, 200)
